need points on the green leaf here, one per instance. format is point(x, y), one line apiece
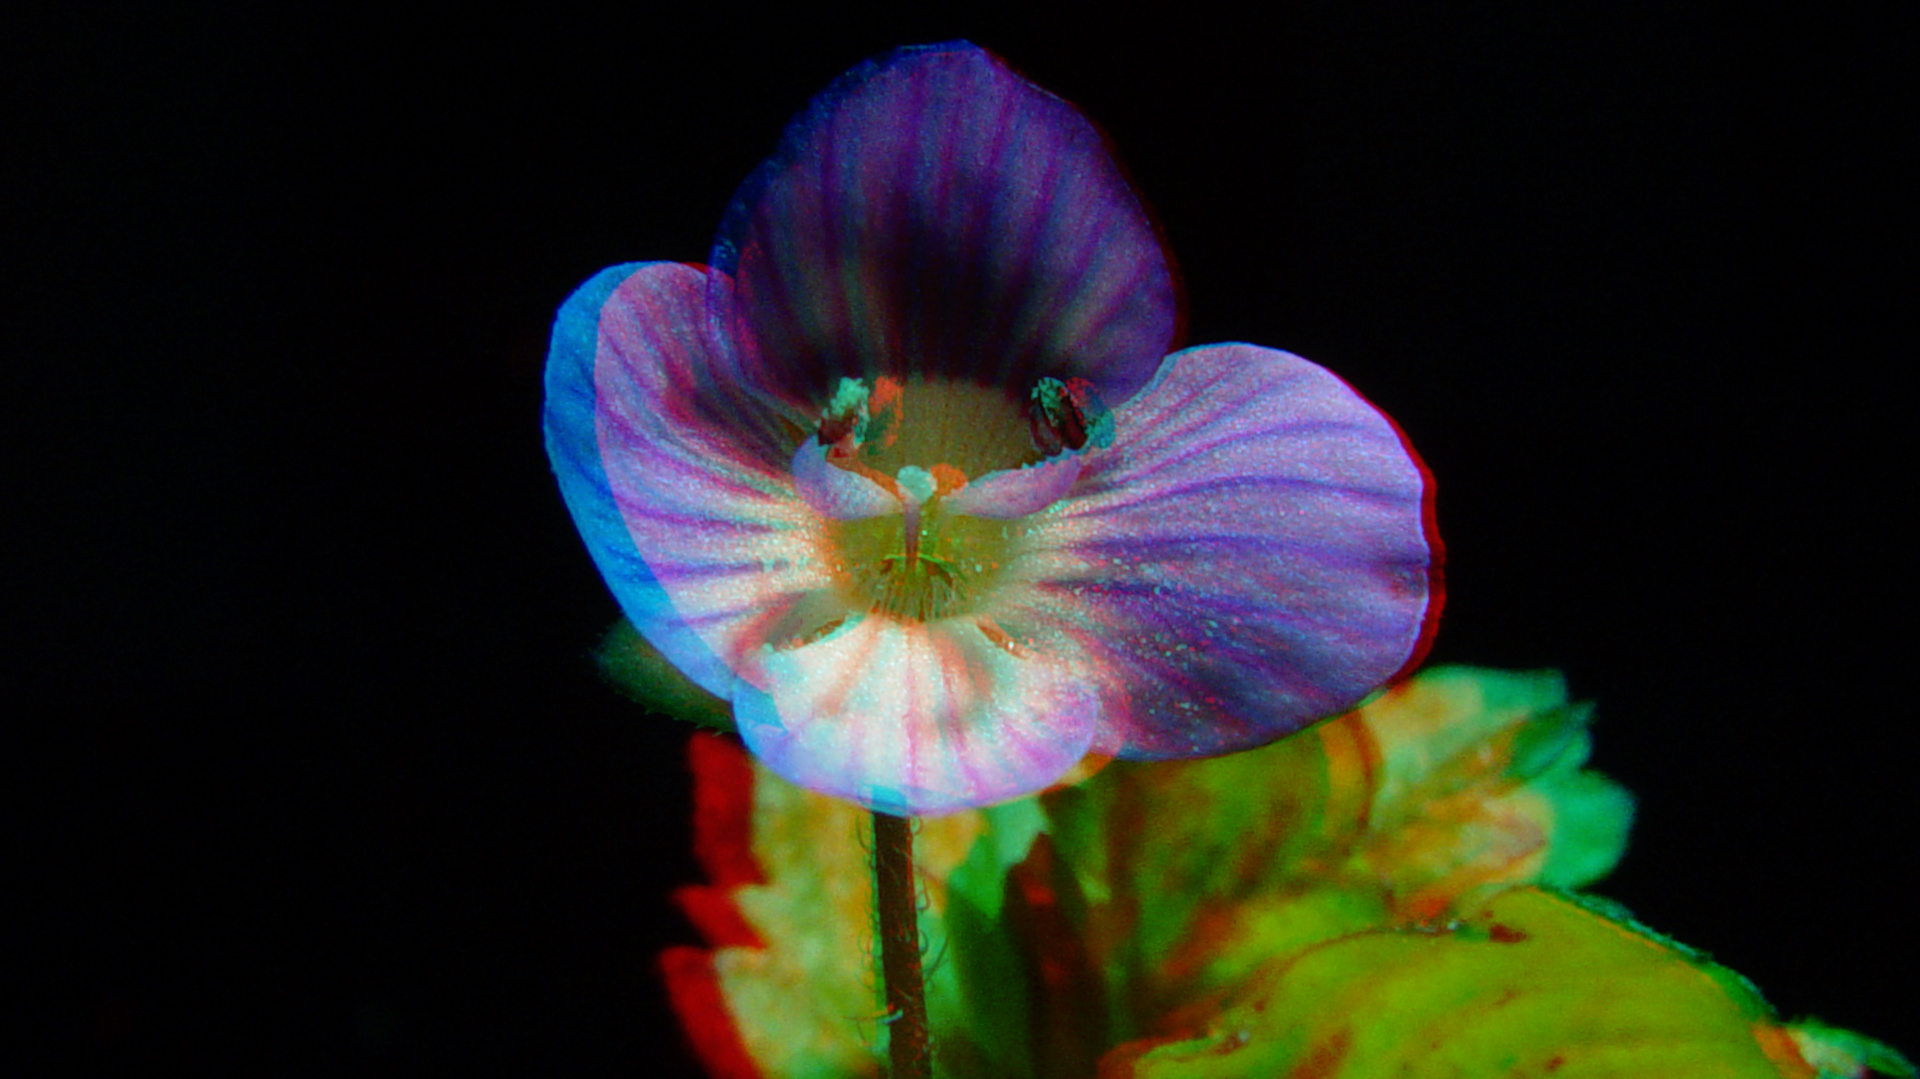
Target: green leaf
point(1526, 983)
point(1355, 901)
point(1591, 817)
point(1462, 779)
point(993, 988)
point(638, 670)
point(1842, 1054)
point(1155, 846)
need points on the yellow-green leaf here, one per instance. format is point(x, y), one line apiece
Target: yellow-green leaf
point(1527, 983)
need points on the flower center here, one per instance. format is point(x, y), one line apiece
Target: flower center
point(924, 438)
point(938, 567)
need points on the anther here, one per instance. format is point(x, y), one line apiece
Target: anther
point(846, 414)
point(1067, 416)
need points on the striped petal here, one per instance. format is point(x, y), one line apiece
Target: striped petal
point(705, 543)
point(836, 492)
point(1017, 492)
point(918, 719)
point(1251, 555)
point(933, 213)
point(574, 450)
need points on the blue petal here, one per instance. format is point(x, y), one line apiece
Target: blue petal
point(933, 213)
point(1253, 554)
point(575, 454)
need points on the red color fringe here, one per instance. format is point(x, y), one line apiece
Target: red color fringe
point(694, 989)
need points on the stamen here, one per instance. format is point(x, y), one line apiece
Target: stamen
point(1067, 416)
point(846, 414)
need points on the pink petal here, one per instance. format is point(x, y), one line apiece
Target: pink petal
point(836, 492)
point(1016, 492)
point(734, 548)
point(917, 718)
point(574, 448)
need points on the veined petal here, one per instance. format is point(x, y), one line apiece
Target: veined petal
point(837, 492)
point(1252, 555)
point(574, 450)
point(933, 213)
point(916, 718)
point(1017, 492)
point(708, 548)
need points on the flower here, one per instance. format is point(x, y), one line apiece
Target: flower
point(908, 477)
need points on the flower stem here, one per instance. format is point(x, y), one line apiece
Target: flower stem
point(909, 1047)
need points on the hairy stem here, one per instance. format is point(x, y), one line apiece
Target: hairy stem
point(910, 1048)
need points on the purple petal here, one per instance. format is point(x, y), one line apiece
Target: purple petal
point(835, 492)
point(722, 537)
point(917, 718)
point(1250, 556)
point(574, 449)
point(1017, 492)
point(933, 213)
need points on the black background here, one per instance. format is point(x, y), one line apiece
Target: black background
point(318, 773)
